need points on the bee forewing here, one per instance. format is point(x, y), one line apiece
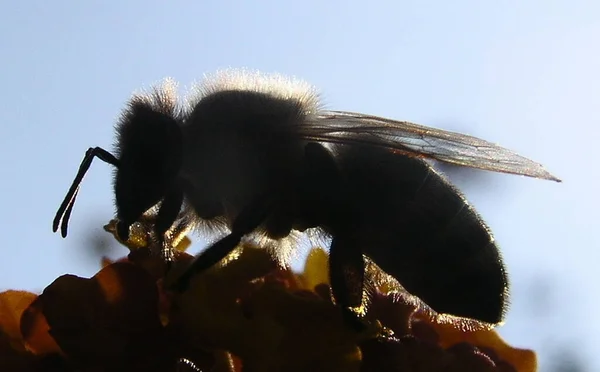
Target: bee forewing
point(419, 141)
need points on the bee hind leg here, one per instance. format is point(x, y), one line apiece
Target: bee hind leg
point(346, 262)
point(346, 272)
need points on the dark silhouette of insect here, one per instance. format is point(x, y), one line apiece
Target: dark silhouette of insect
point(258, 154)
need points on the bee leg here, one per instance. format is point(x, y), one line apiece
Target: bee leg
point(346, 262)
point(280, 221)
point(346, 271)
point(179, 240)
point(166, 217)
point(246, 222)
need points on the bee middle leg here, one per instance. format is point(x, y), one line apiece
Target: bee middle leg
point(246, 222)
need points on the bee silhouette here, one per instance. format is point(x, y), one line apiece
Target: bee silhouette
point(259, 156)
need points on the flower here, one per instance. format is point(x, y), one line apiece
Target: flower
point(246, 313)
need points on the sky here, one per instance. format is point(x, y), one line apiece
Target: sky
point(522, 74)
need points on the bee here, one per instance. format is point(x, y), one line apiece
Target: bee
point(260, 156)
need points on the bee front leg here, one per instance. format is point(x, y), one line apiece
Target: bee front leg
point(167, 215)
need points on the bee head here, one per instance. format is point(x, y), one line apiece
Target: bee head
point(150, 154)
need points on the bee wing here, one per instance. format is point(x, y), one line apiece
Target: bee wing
point(419, 141)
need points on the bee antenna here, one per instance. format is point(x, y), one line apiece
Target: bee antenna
point(65, 217)
point(65, 209)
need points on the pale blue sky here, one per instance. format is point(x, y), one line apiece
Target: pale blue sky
point(523, 74)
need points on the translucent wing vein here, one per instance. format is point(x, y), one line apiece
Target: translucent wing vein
point(420, 141)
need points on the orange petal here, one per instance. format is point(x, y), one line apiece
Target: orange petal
point(35, 330)
point(109, 320)
point(522, 359)
point(12, 306)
